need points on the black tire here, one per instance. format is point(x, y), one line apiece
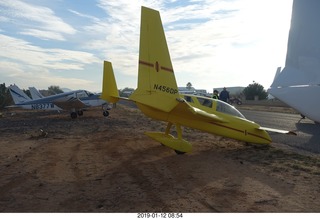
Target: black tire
point(80, 113)
point(105, 113)
point(73, 115)
point(179, 152)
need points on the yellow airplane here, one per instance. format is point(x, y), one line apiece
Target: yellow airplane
point(157, 96)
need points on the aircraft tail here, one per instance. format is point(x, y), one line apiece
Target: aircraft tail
point(18, 95)
point(157, 86)
point(35, 94)
point(110, 91)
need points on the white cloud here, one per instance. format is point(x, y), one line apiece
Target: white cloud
point(45, 35)
point(23, 51)
point(31, 17)
point(212, 43)
point(25, 63)
point(42, 78)
point(95, 19)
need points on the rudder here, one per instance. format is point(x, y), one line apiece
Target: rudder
point(110, 91)
point(35, 94)
point(157, 85)
point(18, 95)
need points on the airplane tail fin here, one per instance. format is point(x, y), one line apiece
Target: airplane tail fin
point(110, 91)
point(35, 94)
point(157, 86)
point(18, 95)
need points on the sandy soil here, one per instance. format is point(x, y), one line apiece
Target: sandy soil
point(97, 164)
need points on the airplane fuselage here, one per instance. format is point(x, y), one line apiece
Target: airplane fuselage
point(304, 99)
point(39, 106)
point(235, 126)
point(93, 100)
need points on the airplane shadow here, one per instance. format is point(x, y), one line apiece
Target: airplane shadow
point(204, 178)
point(312, 132)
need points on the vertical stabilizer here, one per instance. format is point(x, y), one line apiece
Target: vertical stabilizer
point(157, 85)
point(277, 73)
point(18, 95)
point(110, 91)
point(298, 84)
point(35, 94)
point(303, 52)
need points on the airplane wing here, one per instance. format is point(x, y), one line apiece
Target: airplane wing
point(278, 131)
point(69, 104)
point(184, 108)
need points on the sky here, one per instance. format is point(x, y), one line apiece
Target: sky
point(212, 43)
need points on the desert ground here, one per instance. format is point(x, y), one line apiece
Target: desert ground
point(52, 163)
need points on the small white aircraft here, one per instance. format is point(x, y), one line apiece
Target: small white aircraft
point(74, 101)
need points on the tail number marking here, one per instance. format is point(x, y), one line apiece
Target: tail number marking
point(165, 89)
point(42, 106)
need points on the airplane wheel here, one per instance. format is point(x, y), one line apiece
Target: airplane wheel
point(73, 115)
point(80, 112)
point(179, 152)
point(105, 113)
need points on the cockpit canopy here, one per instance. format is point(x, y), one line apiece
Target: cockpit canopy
point(228, 109)
point(84, 94)
point(219, 105)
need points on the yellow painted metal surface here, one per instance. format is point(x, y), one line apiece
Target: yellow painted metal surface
point(157, 85)
point(110, 91)
point(158, 98)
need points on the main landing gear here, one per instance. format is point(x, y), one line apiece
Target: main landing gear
point(106, 113)
point(179, 145)
point(74, 115)
point(105, 109)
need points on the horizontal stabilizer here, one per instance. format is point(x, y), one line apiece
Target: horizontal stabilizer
point(278, 131)
point(170, 141)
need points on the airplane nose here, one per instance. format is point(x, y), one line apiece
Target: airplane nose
point(261, 137)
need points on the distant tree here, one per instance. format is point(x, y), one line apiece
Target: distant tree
point(255, 89)
point(54, 90)
point(27, 92)
point(189, 85)
point(126, 92)
point(5, 97)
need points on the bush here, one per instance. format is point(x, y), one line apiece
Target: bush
point(255, 89)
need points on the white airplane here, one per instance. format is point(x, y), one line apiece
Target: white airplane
point(74, 101)
point(298, 84)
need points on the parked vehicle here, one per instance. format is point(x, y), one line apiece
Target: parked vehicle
point(235, 100)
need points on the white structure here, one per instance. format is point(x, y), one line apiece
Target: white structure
point(298, 84)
